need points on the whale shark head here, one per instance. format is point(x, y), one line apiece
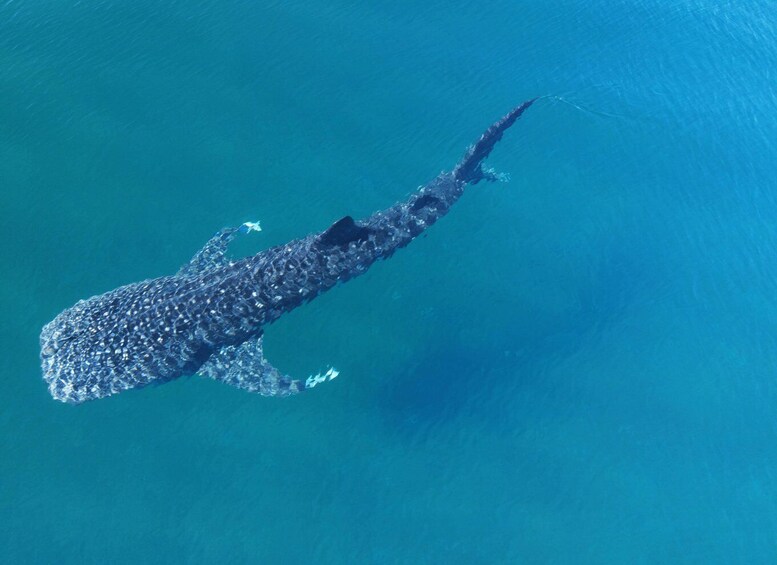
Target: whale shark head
point(79, 360)
point(59, 343)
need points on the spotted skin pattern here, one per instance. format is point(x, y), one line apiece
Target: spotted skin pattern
point(209, 318)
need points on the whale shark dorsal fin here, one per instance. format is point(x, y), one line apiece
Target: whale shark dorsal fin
point(343, 232)
point(423, 201)
point(244, 366)
point(214, 253)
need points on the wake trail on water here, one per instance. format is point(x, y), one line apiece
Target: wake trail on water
point(585, 109)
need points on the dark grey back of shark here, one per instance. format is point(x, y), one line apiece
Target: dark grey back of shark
point(209, 318)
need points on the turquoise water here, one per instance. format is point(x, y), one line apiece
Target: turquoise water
point(575, 367)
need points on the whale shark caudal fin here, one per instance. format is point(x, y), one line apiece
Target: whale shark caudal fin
point(469, 168)
point(214, 252)
point(244, 366)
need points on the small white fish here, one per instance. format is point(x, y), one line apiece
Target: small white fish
point(251, 226)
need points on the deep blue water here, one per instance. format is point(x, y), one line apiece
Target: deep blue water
point(575, 367)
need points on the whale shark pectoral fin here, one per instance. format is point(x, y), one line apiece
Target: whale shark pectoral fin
point(214, 252)
point(489, 175)
point(244, 366)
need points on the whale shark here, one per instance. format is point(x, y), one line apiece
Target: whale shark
point(209, 318)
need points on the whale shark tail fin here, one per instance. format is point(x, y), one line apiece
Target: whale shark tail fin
point(469, 168)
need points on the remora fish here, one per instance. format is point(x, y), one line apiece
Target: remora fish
point(209, 318)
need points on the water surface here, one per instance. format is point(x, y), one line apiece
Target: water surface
point(577, 366)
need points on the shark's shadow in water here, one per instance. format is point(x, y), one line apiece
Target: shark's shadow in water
point(448, 377)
